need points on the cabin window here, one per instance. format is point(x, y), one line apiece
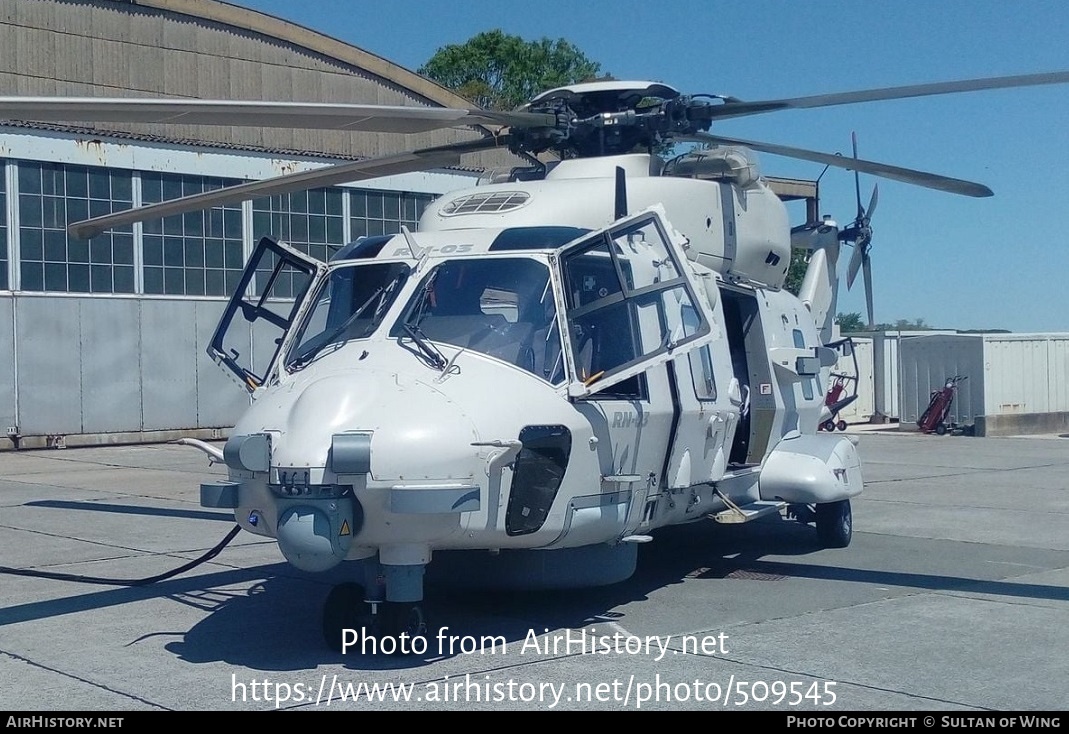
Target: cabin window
point(627, 299)
point(701, 361)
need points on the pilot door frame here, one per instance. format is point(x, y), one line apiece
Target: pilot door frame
point(250, 299)
point(631, 296)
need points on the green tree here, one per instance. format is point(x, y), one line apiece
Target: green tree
point(796, 271)
point(903, 325)
point(850, 322)
point(497, 71)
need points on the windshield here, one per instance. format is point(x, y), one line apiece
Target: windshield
point(350, 304)
point(502, 307)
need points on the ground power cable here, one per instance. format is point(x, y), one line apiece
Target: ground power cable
point(126, 582)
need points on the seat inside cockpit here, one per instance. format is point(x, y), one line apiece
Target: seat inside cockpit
point(501, 307)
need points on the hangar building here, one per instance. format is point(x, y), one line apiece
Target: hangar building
point(102, 341)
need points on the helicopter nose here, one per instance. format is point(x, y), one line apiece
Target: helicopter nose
point(417, 432)
point(402, 443)
point(422, 434)
point(330, 405)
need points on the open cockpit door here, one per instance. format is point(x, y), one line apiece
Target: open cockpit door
point(629, 301)
point(269, 295)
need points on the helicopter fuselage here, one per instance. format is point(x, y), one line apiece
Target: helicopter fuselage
point(529, 372)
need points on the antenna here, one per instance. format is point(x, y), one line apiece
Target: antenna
point(412, 246)
point(621, 194)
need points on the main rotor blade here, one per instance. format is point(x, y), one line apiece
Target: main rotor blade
point(857, 179)
point(417, 160)
point(738, 109)
point(906, 175)
point(360, 117)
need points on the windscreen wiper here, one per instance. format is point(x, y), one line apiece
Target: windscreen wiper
point(382, 292)
point(426, 348)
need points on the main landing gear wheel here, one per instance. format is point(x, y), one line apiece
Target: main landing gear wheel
point(828, 426)
point(841, 425)
point(835, 524)
point(344, 609)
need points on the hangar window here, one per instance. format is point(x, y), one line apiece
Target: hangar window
point(193, 254)
point(383, 212)
point(312, 222)
point(51, 196)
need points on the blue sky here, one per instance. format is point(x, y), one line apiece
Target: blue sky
point(956, 262)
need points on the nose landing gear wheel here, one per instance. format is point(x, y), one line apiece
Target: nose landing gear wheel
point(344, 609)
point(835, 524)
point(405, 618)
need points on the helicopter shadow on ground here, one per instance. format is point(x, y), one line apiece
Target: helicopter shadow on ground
point(276, 625)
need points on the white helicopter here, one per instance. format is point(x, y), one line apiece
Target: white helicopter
point(556, 364)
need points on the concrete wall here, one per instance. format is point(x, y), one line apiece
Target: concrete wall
point(1022, 424)
point(111, 369)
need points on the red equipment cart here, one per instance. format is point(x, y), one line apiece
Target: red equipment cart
point(843, 388)
point(934, 419)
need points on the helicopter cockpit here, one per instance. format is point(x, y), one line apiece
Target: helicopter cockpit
point(502, 307)
point(622, 292)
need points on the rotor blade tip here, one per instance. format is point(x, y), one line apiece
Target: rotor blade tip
point(83, 231)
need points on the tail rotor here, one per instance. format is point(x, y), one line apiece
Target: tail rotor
point(859, 234)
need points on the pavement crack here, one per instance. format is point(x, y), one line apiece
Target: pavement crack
point(86, 681)
point(965, 473)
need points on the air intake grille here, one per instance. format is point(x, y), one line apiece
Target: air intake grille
point(485, 203)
